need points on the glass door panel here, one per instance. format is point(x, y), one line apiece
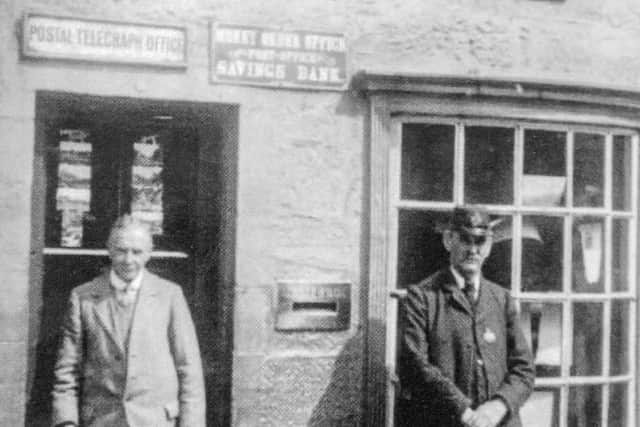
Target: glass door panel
point(542, 409)
point(620, 255)
point(588, 170)
point(621, 180)
point(541, 323)
point(588, 254)
point(545, 168)
point(619, 336)
point(497, 267)
point(587, 339)
point(427, 162)
point(542, 253)
point(618, 398)
point(488, 175)
point(420, 250)
point(585, 406)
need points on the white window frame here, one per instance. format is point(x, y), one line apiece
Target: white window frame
point(395, 100)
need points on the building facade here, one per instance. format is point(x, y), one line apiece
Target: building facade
point(294, 214)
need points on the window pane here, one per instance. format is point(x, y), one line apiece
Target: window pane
point(585, 406)
point(427, 162)
point(488, 165)
point(619, 337)
point(620, 255)
point(621, 172)
point(541, 409)
point(542, 326)
point(618, 405)
point(544, 181)
point(587, 339)
point(588, 170)
point(420, 249)
point(497, 266)
point(588, 254)
point(542, 254)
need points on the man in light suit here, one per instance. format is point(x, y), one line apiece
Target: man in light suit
point(129, 354)
point(464, 360)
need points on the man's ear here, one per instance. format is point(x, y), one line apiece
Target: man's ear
point(447, 235)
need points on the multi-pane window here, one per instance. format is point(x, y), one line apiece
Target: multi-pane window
point(565, 247)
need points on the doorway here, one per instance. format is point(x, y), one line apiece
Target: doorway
point(172, 164)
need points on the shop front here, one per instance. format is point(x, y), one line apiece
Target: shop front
point(293, 162)
point(558, 170)
point(213, 134)
point(100, 157)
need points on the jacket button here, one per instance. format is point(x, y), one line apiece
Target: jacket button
point(480, 362)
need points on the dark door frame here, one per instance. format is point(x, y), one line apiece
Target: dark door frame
point(215, 126)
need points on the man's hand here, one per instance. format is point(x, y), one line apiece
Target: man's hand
point(471, 418)
point(468, 416)
point(489, 414)
point(493, 410)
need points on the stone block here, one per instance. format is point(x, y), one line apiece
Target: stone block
point(17, 150)
point(302, 391)
point(14, 305)
point(246, 372)
point(14, 326)
point(253, 321)
point(310, 343)
point(244, 410)
point(13, 362)
point(12, 404)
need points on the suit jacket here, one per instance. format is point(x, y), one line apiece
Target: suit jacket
point(157, 382)
point(439, 352)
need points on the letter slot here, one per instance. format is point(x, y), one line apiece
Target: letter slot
point(304, 306)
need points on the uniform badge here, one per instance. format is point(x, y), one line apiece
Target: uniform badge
point(489, 336)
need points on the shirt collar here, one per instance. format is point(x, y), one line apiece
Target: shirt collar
point(460, 280)
point(121, 285)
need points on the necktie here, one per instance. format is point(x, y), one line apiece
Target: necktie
point(469, 292)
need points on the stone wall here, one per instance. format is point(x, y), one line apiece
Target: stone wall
point(302, 159)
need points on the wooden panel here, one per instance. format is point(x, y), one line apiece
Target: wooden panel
point(376, 375)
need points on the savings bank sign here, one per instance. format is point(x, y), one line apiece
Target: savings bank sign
point(273, 57)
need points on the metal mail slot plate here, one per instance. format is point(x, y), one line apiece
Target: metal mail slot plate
point(304, 306)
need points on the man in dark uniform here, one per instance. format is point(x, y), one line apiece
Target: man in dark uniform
point(464, 360)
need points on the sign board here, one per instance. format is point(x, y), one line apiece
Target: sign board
point(269, 57)
point(103, 41)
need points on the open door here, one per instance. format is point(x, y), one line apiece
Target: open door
point(171, 164)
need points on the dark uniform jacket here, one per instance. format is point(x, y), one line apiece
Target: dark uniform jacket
point(446, 343)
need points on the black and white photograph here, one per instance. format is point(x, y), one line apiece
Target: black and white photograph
point(320, 213)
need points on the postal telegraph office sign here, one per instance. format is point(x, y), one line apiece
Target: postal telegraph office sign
point(268, 57)
point(103, 41)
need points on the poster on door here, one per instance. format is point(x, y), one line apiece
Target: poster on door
point(73, 194)
point(146, 183)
